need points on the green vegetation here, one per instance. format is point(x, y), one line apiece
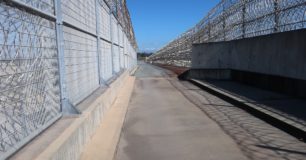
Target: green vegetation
point(143, 55)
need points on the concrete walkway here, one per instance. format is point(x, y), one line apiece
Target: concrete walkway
point(102, 145)
point(161, 124)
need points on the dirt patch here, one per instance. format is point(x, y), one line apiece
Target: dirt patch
point(175, 69)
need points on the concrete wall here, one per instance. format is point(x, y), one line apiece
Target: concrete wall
point(281, 54)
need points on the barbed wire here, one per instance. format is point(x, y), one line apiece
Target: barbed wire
point(30, 58)
point(235, 19)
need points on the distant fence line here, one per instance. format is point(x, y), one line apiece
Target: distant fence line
point(55, 53)
point(235, 19)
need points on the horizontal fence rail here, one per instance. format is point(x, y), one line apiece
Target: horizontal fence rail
point(235, 19)
point(54, 54)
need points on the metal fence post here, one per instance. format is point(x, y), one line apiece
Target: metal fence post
point(209, 28)
point(98, 42)
point(224, 23)
point(276, 16)
point(243, 17)
point(119, 45)
point(111, 39)
point(123, 41)
point(66, 106)
point(199, 37)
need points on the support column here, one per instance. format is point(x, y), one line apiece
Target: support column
point(66, 107)
point(276, 15)
point(209, 28)
point(243, 17)
point(111, 39)
point(123, 41)
point(118, 35)
point(99, 52)
point(224, 22)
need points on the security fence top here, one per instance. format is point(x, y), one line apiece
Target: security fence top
point(236, 19)
point(30, 9)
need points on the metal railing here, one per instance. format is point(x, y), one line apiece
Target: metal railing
point(54, 54)
point(235, 19)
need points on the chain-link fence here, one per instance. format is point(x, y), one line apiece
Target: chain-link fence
point(235, 19)
point(55, 53)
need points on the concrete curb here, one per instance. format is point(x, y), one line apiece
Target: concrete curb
point(132, 72)
point(291, 127)
point(104, 142)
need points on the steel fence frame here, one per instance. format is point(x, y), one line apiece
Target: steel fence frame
point(235, 19)
point(52, 11)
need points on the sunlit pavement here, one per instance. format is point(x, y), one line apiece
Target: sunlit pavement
point(161, 124)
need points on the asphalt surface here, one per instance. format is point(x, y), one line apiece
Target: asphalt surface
point(162, 124)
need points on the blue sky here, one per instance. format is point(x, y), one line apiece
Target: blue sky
point(157, 22)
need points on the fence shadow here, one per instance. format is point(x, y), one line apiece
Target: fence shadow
point(255, 138)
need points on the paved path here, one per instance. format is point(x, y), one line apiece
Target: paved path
point(257, 139)
point(161, 124)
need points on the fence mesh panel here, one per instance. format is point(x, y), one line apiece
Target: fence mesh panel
point(80, 13)
point(44, 5)
point(114, 30)
point(116, 58)
point(48, 55)
point(235, 19)
point(105, 23)
point(80, 64)
point(106, 60)
point(121, 57)
point(29, 86)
